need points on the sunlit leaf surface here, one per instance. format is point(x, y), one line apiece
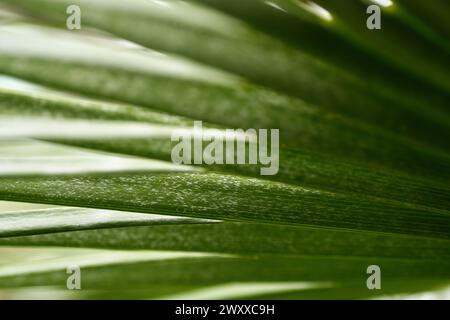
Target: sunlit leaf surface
point(86, 177)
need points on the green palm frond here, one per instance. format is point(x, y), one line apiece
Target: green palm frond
point(86, 118)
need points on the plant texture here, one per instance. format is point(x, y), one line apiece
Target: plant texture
point(86, 177)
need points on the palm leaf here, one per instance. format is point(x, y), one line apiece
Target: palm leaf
point(86, 119)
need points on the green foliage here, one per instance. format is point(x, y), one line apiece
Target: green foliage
point(364, 157)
